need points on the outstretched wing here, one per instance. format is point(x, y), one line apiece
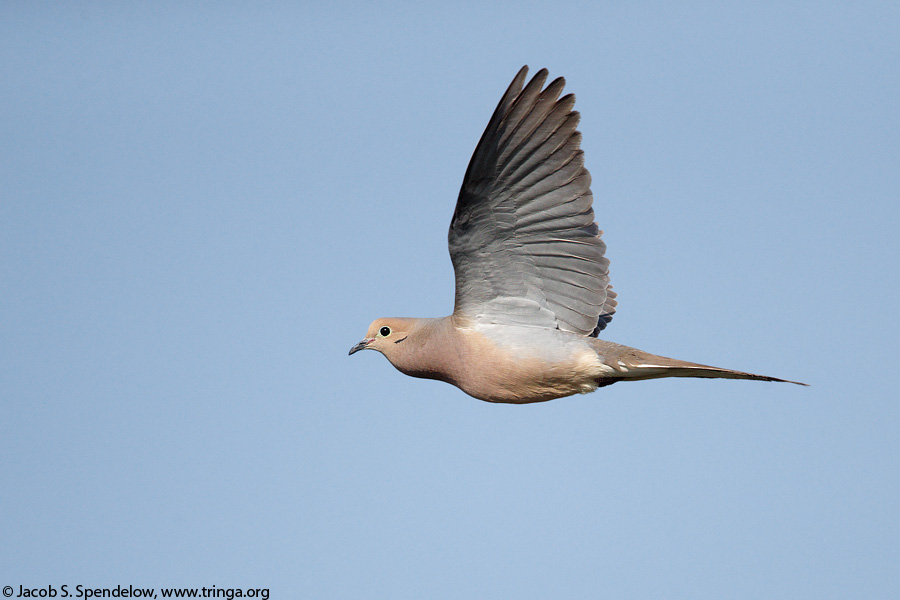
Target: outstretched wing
point(523, 241)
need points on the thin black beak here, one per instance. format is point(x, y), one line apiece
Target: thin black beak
point(360, 346)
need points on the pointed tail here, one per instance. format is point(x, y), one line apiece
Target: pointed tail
point(631, 363)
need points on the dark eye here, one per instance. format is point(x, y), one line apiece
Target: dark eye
point(385, 331)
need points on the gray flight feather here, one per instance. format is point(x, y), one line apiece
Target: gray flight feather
point(524, 244)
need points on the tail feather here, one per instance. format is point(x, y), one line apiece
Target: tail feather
point(631, 363)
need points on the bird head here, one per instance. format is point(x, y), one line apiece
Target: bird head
point(384, 335)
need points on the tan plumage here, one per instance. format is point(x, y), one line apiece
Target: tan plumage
point(532, 281)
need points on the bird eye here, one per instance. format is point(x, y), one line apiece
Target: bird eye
point(385, 331)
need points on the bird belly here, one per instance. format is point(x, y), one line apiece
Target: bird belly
point(511, 373)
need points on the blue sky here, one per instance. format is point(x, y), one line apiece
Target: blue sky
point(202, 209)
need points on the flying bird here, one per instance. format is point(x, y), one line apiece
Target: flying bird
point(532, 281)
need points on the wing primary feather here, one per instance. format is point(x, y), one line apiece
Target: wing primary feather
point(527, 132)
point(482, 155)
point(521, 108)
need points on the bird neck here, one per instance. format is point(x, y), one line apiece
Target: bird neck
point(429, 350)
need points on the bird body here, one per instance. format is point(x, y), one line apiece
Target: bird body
point(491, 362)
point(519, 365)
point(532, 281)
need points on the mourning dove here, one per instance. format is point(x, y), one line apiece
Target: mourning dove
point(532, 284)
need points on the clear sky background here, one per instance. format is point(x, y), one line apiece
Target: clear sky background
point(203, 207)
